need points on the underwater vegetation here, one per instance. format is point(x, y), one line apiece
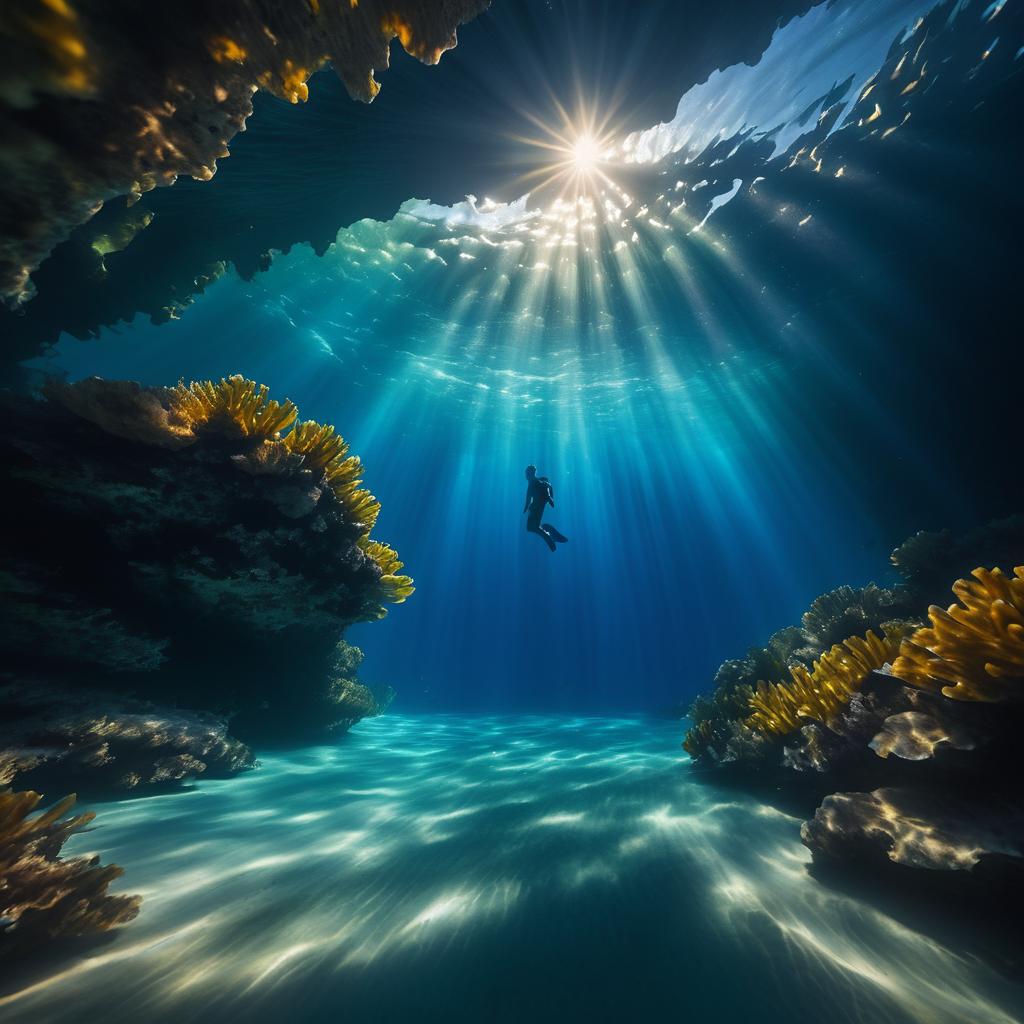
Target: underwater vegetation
point(825, 689)
point(42, 895)
point(95, 104)
point(922, 561)
point(975, 650)
point(171, 536)
point(944, 697)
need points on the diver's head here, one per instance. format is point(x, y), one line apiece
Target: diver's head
point(531, 472)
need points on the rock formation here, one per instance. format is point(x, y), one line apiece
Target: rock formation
point(103, 100)
point(182, 546)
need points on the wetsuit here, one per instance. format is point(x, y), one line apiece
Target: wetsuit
point(539, 494)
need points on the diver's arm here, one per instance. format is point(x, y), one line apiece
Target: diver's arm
point(527, 505)
point(551, 496)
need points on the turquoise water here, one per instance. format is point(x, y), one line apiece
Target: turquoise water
point(491, 869)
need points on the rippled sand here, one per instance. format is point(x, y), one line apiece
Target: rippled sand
point(489, 869)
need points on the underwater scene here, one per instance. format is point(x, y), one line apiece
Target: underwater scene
point(515, 511)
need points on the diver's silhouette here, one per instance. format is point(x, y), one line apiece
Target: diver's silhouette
point(540, 493)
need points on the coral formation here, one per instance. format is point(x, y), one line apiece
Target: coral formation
point(234, 406)
point(927, 718)
point(105, 741)
point(922, 560)
point(852, 611)
point(975, 650)
point(184, 525)
point(826, 689)
point(929, 560)
point(94, 104)
point(353, 701)
point(42, 895)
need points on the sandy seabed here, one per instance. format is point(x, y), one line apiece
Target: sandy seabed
point(480, 869)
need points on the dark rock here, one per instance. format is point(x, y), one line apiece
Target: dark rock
point(95, 104)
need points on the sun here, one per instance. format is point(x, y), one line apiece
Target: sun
point(574, 153)
point(586, 154)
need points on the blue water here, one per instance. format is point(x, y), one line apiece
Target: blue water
point(743, 401)
point(777, 335)
point(452, 867)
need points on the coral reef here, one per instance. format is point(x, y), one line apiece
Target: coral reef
point(185, 550)
point(929, 560)
point(853, 611)
point(42, 895)
point(351, 700)
point(975, 650)
point(95, 103)
point(923, 723)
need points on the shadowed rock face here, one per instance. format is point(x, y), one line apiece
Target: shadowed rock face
point(115, 99)
point(201, 577)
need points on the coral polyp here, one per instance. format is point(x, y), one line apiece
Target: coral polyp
point(974, 650)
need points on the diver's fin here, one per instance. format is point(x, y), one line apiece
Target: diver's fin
point(556, 535)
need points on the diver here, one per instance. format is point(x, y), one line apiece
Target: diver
point(539, 494)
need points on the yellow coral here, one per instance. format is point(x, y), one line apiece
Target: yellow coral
point(235, 403)
point(318, 443)
point(973, 651)
point(698, 738)
point(825, 689)
point(396, 588)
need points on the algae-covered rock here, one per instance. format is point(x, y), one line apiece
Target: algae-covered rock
point(175, 544)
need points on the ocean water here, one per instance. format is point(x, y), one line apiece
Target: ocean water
point(492, 868)
point(763, 342)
